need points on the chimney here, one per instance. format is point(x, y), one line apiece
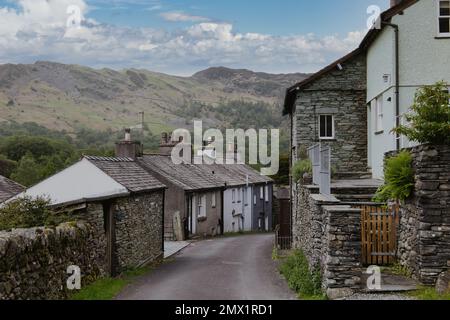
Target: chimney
point(166, 145)
point(127, 148)
point(395, 2)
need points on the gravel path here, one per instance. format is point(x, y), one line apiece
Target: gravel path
point(379, 296)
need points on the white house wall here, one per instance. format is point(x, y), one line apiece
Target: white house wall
point(423, 61)
point(235, 223)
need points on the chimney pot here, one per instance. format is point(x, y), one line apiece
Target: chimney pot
point(127, 134)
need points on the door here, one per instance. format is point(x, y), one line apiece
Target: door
point(109, 223)
point(379, 226)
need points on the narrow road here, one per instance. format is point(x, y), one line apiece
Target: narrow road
point(237, 268)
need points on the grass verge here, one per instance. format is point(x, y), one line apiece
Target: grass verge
point(307, 283)
point(428, 293)
point(108, 288)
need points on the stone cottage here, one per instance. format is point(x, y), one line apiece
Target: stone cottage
point(193, 199)
point(329, 108)
point(9, 188)
point(247, 197)
point(122, 203)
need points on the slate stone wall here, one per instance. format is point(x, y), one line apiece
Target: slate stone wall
point(138, 229)
point(329, 234)
point(341, 93)
point(33, 262)
point(424, 237)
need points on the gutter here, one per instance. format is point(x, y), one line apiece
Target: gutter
point(397, 80)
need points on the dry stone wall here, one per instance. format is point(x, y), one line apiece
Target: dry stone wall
point(424, 236)
point(34, 262)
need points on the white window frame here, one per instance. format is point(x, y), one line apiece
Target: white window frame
point(439, 17)
point(261, 193)
point(254, 199)
point(213, 200)
point(246, 196)
point(379, 114)
point(332, 127)
point(266, 193)
point(201, 206)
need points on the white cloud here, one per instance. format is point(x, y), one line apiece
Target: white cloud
point(38, 32)
point(182, 17)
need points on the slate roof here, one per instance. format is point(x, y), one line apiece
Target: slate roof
point(189, 177)
point(235, 174)
point(127, 172)
point(9, 188)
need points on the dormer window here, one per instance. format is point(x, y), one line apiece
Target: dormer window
point(444, 17)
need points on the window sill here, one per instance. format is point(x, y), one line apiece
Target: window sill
point(201, 219)
point(327, 139)
point(442, 37)
point(377, 133)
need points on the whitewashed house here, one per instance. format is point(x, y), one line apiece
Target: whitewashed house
point(410, 49)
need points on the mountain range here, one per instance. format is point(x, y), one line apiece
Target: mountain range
point(67, 97)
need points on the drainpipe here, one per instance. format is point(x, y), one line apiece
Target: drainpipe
point(397, 80)
point(163, 218)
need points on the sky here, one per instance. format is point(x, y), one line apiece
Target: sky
point(182, 37)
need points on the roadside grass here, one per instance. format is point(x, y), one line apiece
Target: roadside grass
point(108, 288)
point(305, 282)
point(428, 293)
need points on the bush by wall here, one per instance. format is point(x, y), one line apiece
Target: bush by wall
point(300, 278)
point(29, 212)
point(300, 168)
point(429, 119)
point(399, 178)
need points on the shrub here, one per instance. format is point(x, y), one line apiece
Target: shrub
point(29, 212)
point(399, 179)
point(300, 168)
point(300, 278)
point(430, 116)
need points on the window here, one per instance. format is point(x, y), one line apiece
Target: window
point(444, 18)
point(266, 191)
point(379, 114)
point(213, 200)
point(254, 199)
point(246, 196)
point(201, 206)
point(261, 193)
point(326, 126)
point(239, 195)
point(233, 195)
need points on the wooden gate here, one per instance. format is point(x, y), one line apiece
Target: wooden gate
point(379, 234)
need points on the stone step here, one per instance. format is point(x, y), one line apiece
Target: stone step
point(352, 175)
point(390, 283)
point(355, 197)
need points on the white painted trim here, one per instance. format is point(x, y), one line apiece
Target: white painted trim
point(440, 34)
point(333, 127)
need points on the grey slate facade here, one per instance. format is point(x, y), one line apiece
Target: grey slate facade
point(340, 91)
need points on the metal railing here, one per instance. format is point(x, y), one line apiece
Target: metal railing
point(320, 157)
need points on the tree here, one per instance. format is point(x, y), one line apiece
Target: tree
point(429, 119)
point(28, 172)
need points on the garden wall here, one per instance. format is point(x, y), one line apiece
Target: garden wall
point(424, 235)
point(33, 262)
point(329, 234)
